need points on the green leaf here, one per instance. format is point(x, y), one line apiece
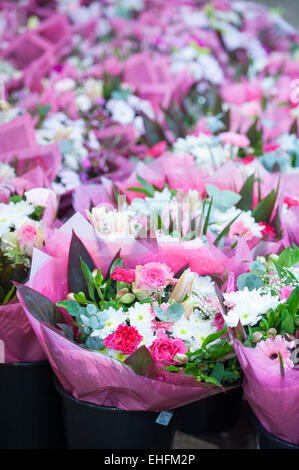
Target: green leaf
point(212, 337)
point(173, 314)
point(95, 343)
point(248, 280)
point(263, 211)
point(289, 256)
point(288, 325)
point(147, 186)
point(67, 329)
point(89, 279)
point(222, 199)
point(293, 301)
point(225, 230)
point(206, 224)
point(113, 265)
point(153, 131)
point(281, 365)
point(246, 193)
point(217, 372)
point(141, 362)
point(76, 280)
point(40, 307)
point(257, 268)
point(70, 306)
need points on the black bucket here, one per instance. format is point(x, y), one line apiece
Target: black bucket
point(217, 413)
point(30, 410)
point(266, 440)
point(89, 426)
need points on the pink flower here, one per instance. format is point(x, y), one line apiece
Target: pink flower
point(285, 292)
point(29, 236)
point(271, 147)
point(235, 139)
point(157, 149)
point(41, 197)
point(291, 202)
point(164, 349)
point(153, 276)
point(125, 339)
point(123, 274)
point(267, 230)
point(272, 348)
point(247, 160)
point(238, 228)
point(218, 321)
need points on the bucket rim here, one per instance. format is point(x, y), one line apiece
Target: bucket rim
point(27, 364)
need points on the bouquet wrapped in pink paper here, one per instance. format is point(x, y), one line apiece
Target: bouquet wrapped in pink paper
point(134, 336)
point(25, 225)
point(263, 313)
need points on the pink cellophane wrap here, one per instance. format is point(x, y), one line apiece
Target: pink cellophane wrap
point(20, 342)
point(273, 398)
point(91, 376)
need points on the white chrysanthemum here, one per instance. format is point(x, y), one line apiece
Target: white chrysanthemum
point(203, 329)
point(184, 329)
point(7, 173)
point(6, 220)
point(248, 306)
point(220, 219)
point(120, 111)
point(140, 315)
point(115, 318)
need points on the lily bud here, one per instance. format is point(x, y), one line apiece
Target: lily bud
point(257, 336)
point(180, 358)
point(120, 293)
point(127, 298)
point(70, 296)
point(183, 286)
point(188, 307)
point(272, 332)
point(141, 294)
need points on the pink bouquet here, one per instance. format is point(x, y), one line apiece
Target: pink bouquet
point(263, 312)
point(133, 325)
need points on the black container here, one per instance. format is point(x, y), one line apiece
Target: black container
point(89, 426)
point(217, 413)
point(266, 440)
point(30, 410)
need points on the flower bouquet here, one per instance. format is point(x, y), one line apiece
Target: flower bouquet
point(263, 313)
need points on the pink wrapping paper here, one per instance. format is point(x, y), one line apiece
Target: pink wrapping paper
point(93, 377)
point(20, 342)
point(274, 399)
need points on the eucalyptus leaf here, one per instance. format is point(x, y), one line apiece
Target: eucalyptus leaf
point(222, 199)
point(248, 280)
point(94, 342)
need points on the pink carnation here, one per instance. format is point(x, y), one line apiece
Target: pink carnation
point(125, 339)
point(123, 274)
point(272, 348)
point(157, 149)
point(153, 276)
point(233, 138)
point(164, 349)
point(267, 230)
point(291, 202)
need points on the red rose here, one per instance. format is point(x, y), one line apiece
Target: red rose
point(125, 339)
point(123, 274)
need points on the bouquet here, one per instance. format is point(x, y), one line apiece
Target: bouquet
point(25, 225)
point(263, 314)
point(140, 328)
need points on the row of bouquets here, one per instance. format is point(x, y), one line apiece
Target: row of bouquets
point(30, 332)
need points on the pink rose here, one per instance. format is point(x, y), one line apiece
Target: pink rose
point(164, 349)
point(153, 276)
point(123, 274)
point(29, 236)
point(235, 139)
point(285, 292)
point(125, 339)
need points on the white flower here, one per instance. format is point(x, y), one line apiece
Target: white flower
point(248, 306)
point(83, 102)
point(140, 315)
point(7, 173)
point(65, 85)
point(115, 318)
point(202, 330)
point(183, 329)
point(120, 111)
